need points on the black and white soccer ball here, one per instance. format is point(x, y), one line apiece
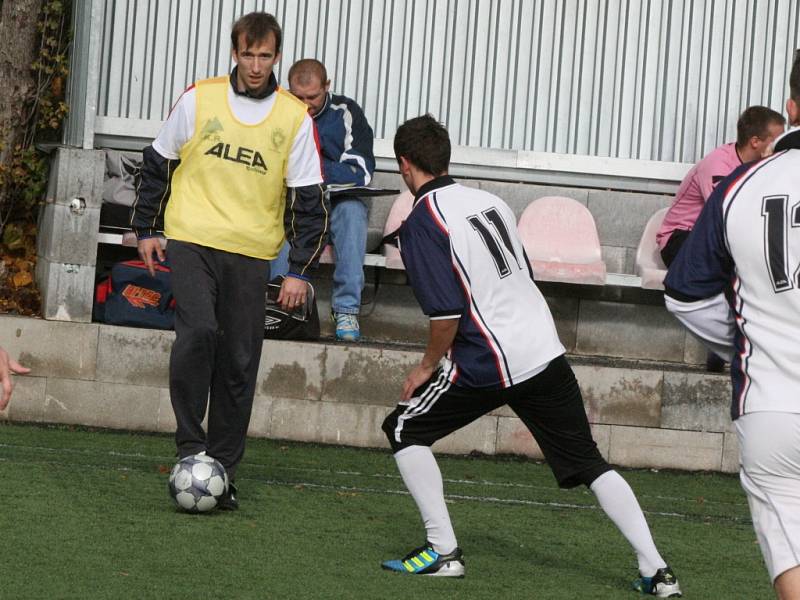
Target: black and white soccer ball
point(197, 482)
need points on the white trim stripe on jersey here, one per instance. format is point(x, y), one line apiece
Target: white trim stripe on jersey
point(474, 311)
point(348, 141)
point(423, 403)
point(747, 348)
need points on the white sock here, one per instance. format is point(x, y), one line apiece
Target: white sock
point(424, 480)
point(620, 504)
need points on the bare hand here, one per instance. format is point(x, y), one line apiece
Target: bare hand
point(418, 375)
point(8, 366)
point(147, 248)
point(293, 293)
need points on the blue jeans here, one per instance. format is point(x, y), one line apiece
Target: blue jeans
point(348, 229)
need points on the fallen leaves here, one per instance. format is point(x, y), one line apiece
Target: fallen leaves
point(22, 278)
point(18, 292)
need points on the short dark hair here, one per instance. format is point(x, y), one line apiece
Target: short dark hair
point(754, 121)
point(306, 68)
point(425, 143)
point(256, 27)
point(794, 78)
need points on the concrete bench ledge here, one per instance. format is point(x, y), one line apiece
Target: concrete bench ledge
point(644, 414)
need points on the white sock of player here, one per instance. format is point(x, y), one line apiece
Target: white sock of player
point(620, 504)
point(424, 480)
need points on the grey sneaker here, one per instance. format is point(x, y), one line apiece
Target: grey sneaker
point(346, 327)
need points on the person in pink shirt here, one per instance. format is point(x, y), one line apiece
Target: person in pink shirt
point(756, 129)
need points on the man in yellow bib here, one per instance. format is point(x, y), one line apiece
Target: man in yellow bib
point(216, 177)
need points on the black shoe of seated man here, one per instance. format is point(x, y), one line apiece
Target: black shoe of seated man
point(714, 364)
point(229, 500)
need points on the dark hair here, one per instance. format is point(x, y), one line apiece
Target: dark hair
point(794, 78)
point(256, 27)
point(425, 143)
point(754, 122)
point(306, 68)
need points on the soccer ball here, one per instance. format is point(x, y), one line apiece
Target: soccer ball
point(197, 483)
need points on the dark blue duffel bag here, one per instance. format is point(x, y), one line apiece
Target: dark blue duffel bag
point(131, 296)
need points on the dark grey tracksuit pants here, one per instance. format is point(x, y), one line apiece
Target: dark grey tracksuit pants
point(219, 327)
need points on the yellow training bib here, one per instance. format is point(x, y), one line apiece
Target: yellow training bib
point(228, 192)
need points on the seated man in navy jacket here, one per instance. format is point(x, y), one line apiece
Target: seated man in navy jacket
point(346, 139)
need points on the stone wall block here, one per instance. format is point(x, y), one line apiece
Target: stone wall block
point(514, 438)
point(328, 422)
point(134, 355)
point(615, 258)
point(696, 401)
point(665, 448)
point(362, 375)
point(260, 417)
point(480, 436)
point(51, 349)
point(730, 453)
point(67, 236)
point(166, 416)
point(629, 331)
point(291, 369)
point(67, 290)
point(113, 405)
point(565, 316)
point(77, 173)
point(621, 216)
point(621, 396)
point(695, 352)
point(27, 402)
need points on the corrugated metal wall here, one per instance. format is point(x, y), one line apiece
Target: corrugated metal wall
point(647, 79)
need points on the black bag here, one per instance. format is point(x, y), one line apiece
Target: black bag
point(301, 324)
point(131, 296)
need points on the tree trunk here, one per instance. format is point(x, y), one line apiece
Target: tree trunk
point(19, 40)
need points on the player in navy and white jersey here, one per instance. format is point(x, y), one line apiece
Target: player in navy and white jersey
point(736, 284)
point(457, 244)
point(492, 342)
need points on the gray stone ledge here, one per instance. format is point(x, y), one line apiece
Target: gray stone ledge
point(340, 393)
point(51, 348)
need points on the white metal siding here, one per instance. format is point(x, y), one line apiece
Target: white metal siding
point(646, 79)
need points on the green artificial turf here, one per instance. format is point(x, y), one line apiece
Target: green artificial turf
point(85, 514)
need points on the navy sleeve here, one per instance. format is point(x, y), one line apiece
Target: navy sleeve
point(152, 193)
point(306, 221)
point(356, 163)
point(426, 254)
point(703, 267)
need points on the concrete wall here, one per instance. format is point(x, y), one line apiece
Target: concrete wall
point(642, 415)
point(591, 321)
point(67, 241)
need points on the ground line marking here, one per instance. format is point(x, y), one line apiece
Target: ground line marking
point(486, 499)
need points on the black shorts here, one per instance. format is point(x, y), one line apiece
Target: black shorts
point(550, 405)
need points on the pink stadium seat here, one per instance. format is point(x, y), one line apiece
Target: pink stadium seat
point(649, 265)
point(560, 238)
point(399, 212)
